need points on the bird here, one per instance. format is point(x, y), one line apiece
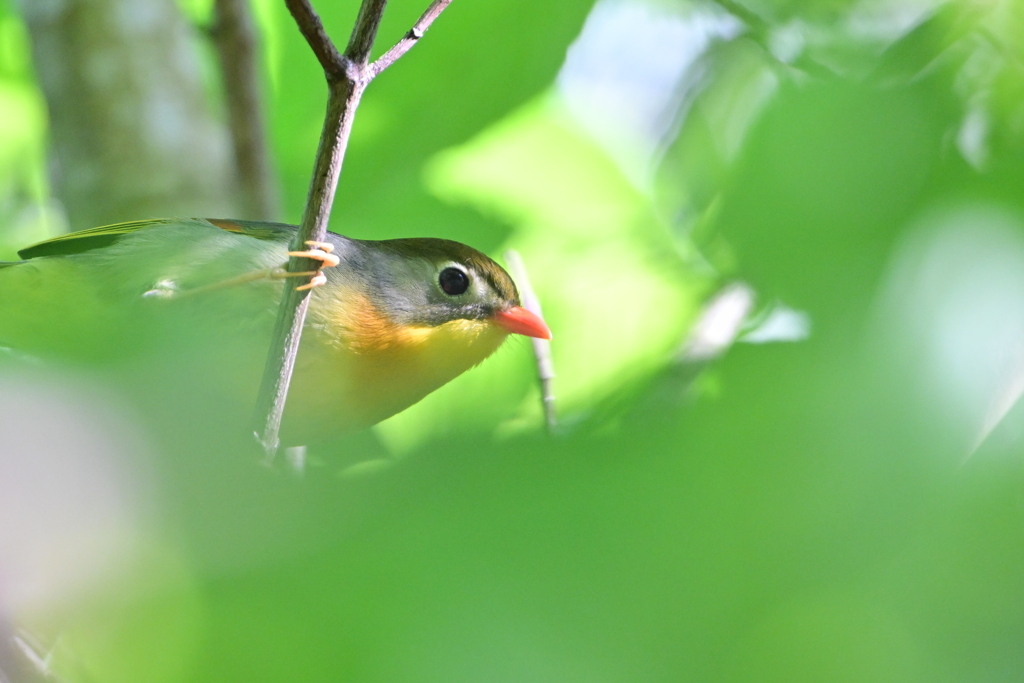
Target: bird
point(389, 321)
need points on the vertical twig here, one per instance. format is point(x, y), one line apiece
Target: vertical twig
point(22, 659)
point(541, 347)
point(235, 38)
point(347, 77)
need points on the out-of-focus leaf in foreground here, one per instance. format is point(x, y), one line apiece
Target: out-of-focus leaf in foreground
point(843, 506)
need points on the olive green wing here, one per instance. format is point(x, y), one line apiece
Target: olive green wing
point(86, 240)
point(96, 238)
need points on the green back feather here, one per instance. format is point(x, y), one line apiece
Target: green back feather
point(95, 238)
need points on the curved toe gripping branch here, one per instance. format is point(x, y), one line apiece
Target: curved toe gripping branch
point(318, 251)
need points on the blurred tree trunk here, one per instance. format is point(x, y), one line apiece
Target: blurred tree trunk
point(238, 48)
point(131, 131)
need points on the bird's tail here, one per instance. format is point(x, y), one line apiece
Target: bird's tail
point(52, 307)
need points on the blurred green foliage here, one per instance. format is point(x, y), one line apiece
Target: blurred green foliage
point(810, 510)
point(23, 182)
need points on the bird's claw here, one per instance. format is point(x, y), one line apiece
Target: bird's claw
point(318, 251)
point(322, 246)
point(318, 279)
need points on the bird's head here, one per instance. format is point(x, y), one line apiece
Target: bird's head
point(409, 315)
point(425, 283)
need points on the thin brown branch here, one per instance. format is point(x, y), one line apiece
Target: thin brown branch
point(541, 347)
point(235, 38)
point(313, 31)
point(341, 106)
point(410, 38)
point(347, 78)
point(365, 31)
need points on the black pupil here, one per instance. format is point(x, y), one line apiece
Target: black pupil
point(453, 281)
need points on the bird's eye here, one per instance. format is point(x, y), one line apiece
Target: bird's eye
point(453, 281)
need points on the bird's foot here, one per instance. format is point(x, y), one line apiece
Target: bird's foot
point(322, 246)
point(318, 251)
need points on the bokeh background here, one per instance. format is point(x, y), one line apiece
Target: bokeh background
point(781, 247)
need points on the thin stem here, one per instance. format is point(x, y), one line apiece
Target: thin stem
point(541, 347)
point(312, 30)
point(347, 77)
point(22, 657)
point(235, 38)
point(341, 106)
point(365, 31)
point(410, 38)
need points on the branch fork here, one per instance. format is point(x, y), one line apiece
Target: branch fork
point(347, 76)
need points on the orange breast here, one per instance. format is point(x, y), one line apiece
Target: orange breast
point(357, 368)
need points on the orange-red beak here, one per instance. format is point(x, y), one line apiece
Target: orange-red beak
point(518, 320)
